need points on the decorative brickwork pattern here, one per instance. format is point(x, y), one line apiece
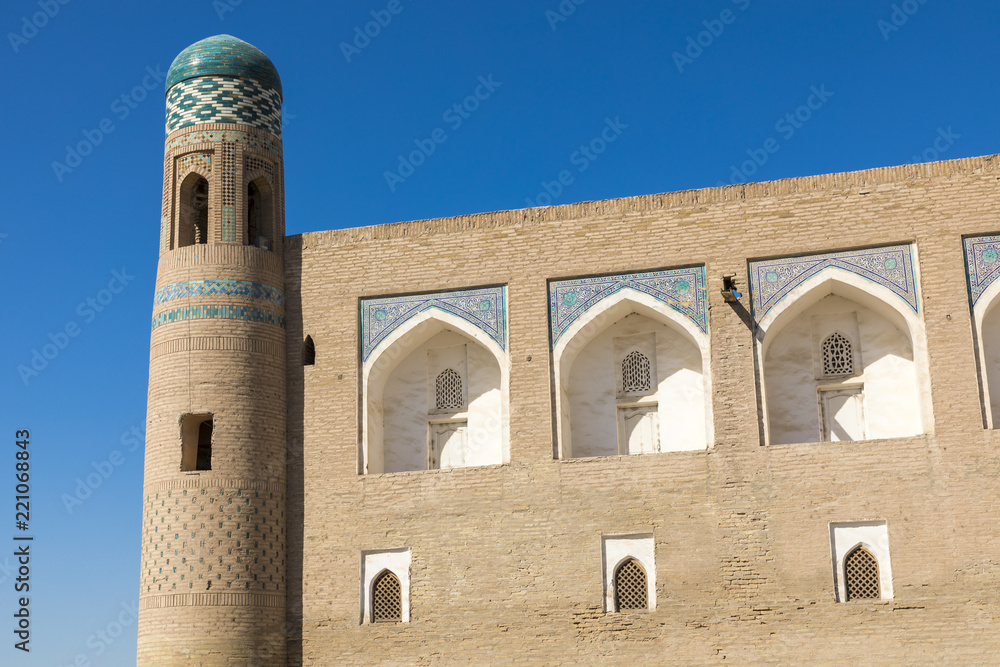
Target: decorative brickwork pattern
point(890, 266)
point(221, 99)
point(200, 162)
point(681, 289)
point(484, 308)
point(254, 164)
point(251, 141)
point(213, 539)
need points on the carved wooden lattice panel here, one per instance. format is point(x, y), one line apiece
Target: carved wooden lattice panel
point(861, 574)
point(449, 390)
point(630, 586)
point(635, 372)
point(838, 357)
point(387, 599)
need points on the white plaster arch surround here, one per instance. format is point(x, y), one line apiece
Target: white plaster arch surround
point(984, 314)
point(599, 317)
point(407, 337)
point(877, 298)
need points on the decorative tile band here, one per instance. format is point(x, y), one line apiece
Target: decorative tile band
point(683, 290)
point(484, 308)
point(982, 264)
point(221, 99)
point(251, 141)
point(219, 288)
point(228, 223)
point(890, 266)
point(245, 313)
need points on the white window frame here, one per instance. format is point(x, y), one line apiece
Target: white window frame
point(373, 563)
point(615, 550)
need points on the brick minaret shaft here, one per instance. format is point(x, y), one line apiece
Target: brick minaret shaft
point(213, 554)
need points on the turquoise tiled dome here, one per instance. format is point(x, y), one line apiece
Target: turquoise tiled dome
point(223, 55)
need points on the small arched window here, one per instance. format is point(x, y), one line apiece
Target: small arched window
point(631, 589)
point(861, 575)
point(308, 352)
point(635, 372)
point(387, 599)
point(838, 355)
point(259, 213)
point(448, 390)
point(193, 213)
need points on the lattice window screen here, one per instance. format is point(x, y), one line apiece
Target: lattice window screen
point(631, 591)
point(387, 599)
point(861, 575)
point(635, 372)
point(448, 390)
point(838, 355)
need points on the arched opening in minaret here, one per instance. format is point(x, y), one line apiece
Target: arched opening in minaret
point(309, 352)
point(196, 442)
point(193, 213)
point(259, 218)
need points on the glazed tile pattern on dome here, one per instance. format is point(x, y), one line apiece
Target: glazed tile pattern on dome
point(224, 55)
point(890, 266)
point(683, 290)
point(982, 264)
point(221, 99)
point(484, 308)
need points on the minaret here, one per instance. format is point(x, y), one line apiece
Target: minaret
point(213, 538)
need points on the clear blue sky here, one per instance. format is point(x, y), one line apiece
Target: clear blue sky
point(886, 93)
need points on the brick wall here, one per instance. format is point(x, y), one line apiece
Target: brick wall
point(507, 559)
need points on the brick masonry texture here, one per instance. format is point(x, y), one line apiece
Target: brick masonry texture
point(506, 560)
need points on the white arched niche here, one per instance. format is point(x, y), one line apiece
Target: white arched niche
point(887, 394)
point(402, 427)
point(595, 417)
point(986, 316)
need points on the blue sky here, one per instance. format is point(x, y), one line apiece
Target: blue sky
point(612, 99)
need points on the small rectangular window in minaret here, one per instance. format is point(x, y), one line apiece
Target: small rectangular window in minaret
point(196, 442)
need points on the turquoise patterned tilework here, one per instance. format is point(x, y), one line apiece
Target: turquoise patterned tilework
point(251, 141)
point(982, 264)
point(223, 55)
point(890, 266)
point(683, 290)
point(228, 223)
point(484, 308)
point(245, 313)
point(245, 288)
point(221, 99)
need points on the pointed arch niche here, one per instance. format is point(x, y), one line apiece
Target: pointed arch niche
point(631, 364)
point(982, 263)
point(435, 373)
point(841, 347)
